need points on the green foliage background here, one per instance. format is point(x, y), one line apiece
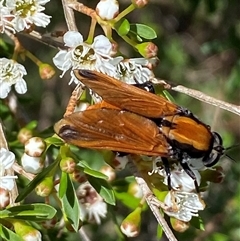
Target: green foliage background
point(199, 47)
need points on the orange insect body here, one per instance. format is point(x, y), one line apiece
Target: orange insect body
point(135, 121)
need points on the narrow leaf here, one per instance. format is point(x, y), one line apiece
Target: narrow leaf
point(31, 125)
point(91, 158)
point(70, 203)
point(103, 188)
point(54, 141)
point(94, 173)
point(122, 27)
point(35, 212)
point(31, 186)
point(143, 31)
point(8, 235)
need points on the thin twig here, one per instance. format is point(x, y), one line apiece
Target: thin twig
point(153, 203)
point(69, 15)
point(208, 99)
point(83, 234)
point(18, 169)
point(80, 7)
point(200, 96)
point(150, 199)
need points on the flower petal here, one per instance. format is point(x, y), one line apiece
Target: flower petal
point(21, 86)
point(102, 45)
point(72, 39)
point(7, 158)
point(7, 182)
point(4, 90)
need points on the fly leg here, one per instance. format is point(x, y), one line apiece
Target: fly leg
point(187, 169)
point(168, 171)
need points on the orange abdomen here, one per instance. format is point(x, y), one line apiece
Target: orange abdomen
point(188, 134)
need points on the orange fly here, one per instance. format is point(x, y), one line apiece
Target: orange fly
point(139, 122)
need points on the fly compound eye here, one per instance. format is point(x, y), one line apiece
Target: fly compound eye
point(217, 139)
point(212, 159)
point(216, 152)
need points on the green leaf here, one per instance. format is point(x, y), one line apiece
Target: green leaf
point(94, 173)
point(63, 184)
point(54, 141)
point(143, 31)
point(31, 125)
point(34, 212)
point(122, 27)
point(169, 96)
point(128, 200)
point(90, 158)
point(103, 188)
point(70, 202)
point(197, 222)
point(134, 37)
point(31, 186)
point(8, 235)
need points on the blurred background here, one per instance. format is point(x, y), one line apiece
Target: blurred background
point(199, 47)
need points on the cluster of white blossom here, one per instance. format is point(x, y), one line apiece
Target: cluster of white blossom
point(97, 56)
point(18, 15)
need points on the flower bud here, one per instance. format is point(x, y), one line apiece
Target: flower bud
point(46, 71)
point(4, 198)
point(31, 164)
point(107, 9)
point(24, 135)
point(35, 147)
point(49, 224)
point(114, 49)
point(45, 187)
point(78, 176)
point(140, 3)
point(25, 231)
point(131, 224)
point(67, 165)
point(147, 49)
point(215, 175)
point(135, 190)
point(179, 225)
point(109, 172)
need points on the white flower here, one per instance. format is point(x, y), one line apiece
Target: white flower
point(183, 205)
point(180, 180)
point(5, 18)
point(7, 159)
point(31, 164)
point(84, 56)
point(11, 73)
point(133, 71)
point(28, 12)
point(107, 9)
point(93, 208)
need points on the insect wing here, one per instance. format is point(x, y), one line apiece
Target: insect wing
point(125, 96)
point(114, 130)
